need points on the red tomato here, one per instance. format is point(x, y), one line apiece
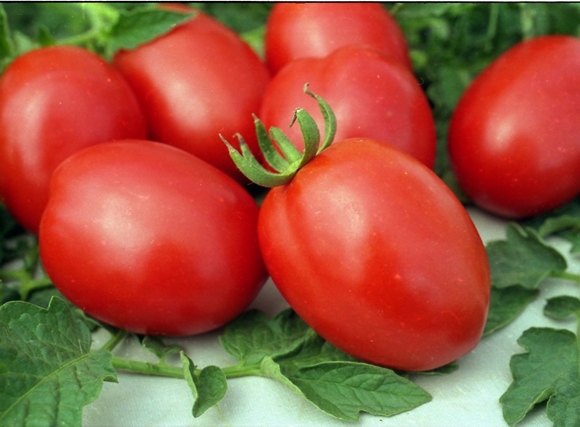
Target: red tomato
point(378, 256)
point(299, 30)
point(151, 239)
point(195, 82)
point(55, 101)
point(514, 138)
point(372, 96)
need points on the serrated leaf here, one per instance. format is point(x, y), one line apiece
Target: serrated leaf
point(345, 389)
point(208, 386)
point(547, 371)
point(522, 259)
point(505, 305)
point(47, 370)
point(142, 25)
point(562, 307)
point(253, 335)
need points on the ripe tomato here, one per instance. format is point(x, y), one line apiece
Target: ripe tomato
point(371, 94)
point(378, 256)
point(55, 101)
point(196, 82)
point(151, 239)
point(299, 30)
point(514, 138)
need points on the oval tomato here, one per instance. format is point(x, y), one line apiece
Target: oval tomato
point(151, 239)
point(514, 138)
point(299, 30)
point(55, 101)
point(372, 95)
point(378, 256)
point(196, 82)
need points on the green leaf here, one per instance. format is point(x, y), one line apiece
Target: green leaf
point(547, 371)
point(47, 370)
point(6, 49)
point(505, 305)
point(159, 348)
point(142, 25)
point(562, 307)
point(345, 389)
point(208, 386)
point(522, 259)
point(253, 335)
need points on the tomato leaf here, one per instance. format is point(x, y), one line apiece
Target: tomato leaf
point(141, 25)
point(505, 305)
point(253, 335)
point(208, 386)
point(522, 259)
point(547, 371)
point(47, 370)
point(562, 307)
point(159, 348)
point(344, 389)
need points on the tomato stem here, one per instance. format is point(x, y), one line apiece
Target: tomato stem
point(148, 368)
point(283, 157)
point(116, 337)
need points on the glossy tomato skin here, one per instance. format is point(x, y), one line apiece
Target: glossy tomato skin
point(55, 101)
point(300, 30)
point(514, 138)
point(196, 82)
point(378, 256)
point(151, 239)
point(372, 96)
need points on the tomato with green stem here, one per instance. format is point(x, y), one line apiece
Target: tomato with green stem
point(372, 95)
point(55, 101)
point(301, 30)
point(370, 247)
point(149, 238)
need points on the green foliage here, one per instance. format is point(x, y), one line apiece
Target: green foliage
point(285, 349)
point(547, 371)
point(47, 370)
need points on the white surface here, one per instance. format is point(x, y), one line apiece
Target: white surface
point(467, 397)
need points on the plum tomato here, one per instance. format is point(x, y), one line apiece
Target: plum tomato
point(370, 247)
point(195, 82)
point(55, 101)
point(514, 137)
point(378, 256)
point(372, 96)
point(299, 30)
point(148, 238)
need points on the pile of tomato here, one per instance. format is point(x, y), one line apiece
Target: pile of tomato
point(145, 222)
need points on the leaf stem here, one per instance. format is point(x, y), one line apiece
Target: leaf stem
point(116, 337)
point(574, 277)
point(147, 368)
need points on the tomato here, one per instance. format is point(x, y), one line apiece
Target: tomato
point(514, 138)
point(196, 82)
point(371, 94)
point(55, 101)
point(378, 256)
point(151, 239)
point(299, 30)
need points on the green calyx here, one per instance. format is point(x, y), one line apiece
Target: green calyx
point(279, 152)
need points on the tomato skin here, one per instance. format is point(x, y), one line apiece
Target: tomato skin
point(55, 101)
point(151, 239)
point(195, 82)
point(377, 255)
point(372, 96)
point(299, 30)
point(514, 138)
